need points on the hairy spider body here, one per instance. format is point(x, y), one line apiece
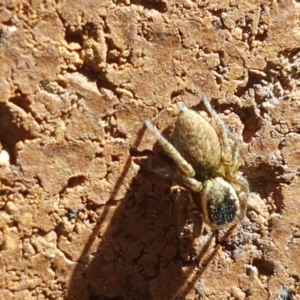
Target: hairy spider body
point(197, 141)
point(208, 159)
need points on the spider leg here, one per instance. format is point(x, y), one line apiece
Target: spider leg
point(196, 218)
point(243, 192)
point(181, 179)
point(242, 185)
point(183, 165)
point(224, 132)
point(243, 206)
point(236, 149)
point(189, 182)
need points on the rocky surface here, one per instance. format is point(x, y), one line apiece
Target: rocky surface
point(79, 217)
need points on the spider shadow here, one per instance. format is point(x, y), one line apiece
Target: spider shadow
point(140, 254)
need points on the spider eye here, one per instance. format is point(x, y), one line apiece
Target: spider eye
point(224, 211)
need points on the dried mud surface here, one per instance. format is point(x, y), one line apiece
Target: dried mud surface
point(79, 217)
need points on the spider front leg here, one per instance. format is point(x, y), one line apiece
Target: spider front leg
point(230, 154)
point(238, 180)
point(184, 166)
point(185, 179)
point(223, 131)
point(188, 182)
point(242, 187)
point(236, 149)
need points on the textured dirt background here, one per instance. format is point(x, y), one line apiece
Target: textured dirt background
point(79, 218)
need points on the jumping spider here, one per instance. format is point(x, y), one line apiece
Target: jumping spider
point(208, 160)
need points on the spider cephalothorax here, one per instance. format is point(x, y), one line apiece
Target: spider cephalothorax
point(207, 158)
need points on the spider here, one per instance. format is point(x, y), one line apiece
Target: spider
point(207, 157)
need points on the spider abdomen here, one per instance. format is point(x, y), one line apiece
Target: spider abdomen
point(197, 141)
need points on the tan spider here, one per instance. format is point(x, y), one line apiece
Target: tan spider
point(208, 160)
